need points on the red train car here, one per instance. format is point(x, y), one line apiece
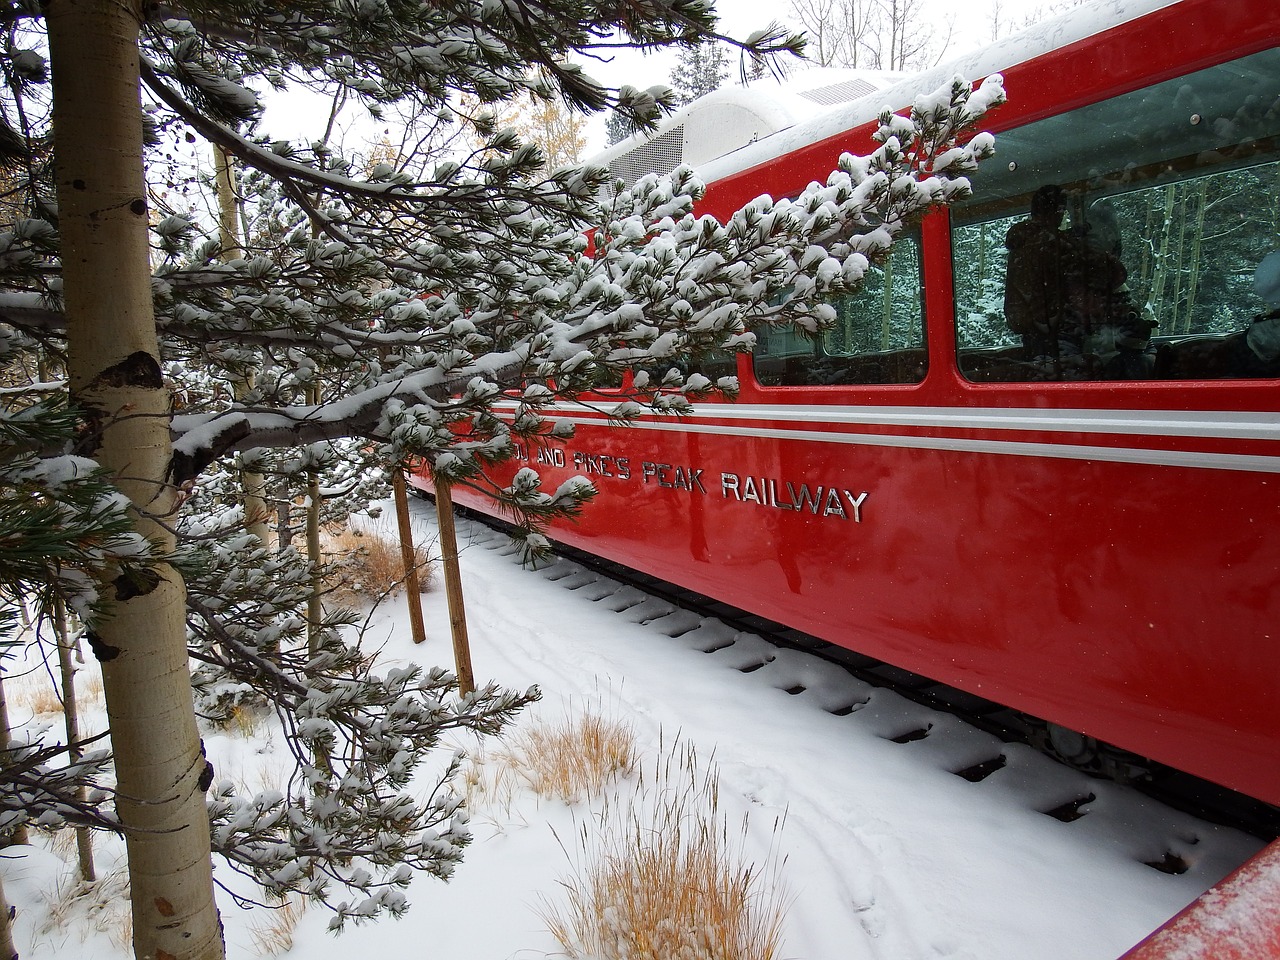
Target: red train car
point(1079, 519)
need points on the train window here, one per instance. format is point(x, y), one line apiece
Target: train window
point(877, 338)
point(1119, 241)
point(712, 364)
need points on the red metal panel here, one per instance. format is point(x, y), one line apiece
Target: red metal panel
point(1131, 601)
point(1239, 919)
point(1074, 550)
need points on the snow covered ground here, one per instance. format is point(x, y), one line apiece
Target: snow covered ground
point(888, 854)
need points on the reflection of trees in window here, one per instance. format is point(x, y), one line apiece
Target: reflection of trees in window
point(979, 257)
point(885, 313)
point(1191, 247)
point(877, 336)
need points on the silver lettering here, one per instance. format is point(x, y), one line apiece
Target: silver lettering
point(856, 503)
point(834, 505)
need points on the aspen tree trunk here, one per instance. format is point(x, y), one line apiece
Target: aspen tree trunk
point(115, 374)
point(1161, 272)
point(71, 715)
point(1193, 262)
point(18, 835)
point(251, 482)
point(7, 950)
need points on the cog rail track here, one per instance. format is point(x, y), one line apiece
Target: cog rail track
point(1166, 786)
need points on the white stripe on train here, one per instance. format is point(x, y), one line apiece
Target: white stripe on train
point(1222, 426)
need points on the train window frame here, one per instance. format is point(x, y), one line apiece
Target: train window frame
point(786, 357)
point(1185, 134)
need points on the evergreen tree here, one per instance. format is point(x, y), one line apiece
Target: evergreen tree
point(377, 313)
point(617, 127)
point(700, 69)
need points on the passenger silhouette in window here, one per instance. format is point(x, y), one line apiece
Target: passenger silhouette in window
point(1261, 358)
point(1033, 292)
point(1101, 320)
point(1066, 295)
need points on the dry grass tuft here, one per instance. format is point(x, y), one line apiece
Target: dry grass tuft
point(664, 877)
point(492, 787)
point(61, 842)
point(576, 758)
point(368, 566)
point(35, 691)
point(245, 719)
point(273, 934)
point(102, 905)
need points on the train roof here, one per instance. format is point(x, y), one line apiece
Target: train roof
point(735, 129)
point(731, 117)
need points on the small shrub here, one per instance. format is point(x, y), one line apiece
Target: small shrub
point(102, 905)
point(35, 692)
point(38, 692)
point(574, 759)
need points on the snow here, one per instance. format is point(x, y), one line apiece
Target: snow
point(885, 854)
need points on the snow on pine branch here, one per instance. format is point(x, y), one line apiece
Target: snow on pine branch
point(359, 816)
point(661, 283)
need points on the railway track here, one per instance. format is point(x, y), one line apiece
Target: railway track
point(1164, 784)
point(979, 738)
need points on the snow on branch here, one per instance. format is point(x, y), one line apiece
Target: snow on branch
point(661, 283)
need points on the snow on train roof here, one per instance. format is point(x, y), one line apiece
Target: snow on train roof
point(735, 129)
point(729, 118)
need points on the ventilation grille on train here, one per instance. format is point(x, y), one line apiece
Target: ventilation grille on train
point(836, 93)
point(660, 155)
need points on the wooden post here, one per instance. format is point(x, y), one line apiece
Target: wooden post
point(453, 588)
point(408, 556)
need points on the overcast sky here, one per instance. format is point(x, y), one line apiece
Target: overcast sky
point(969, 25)
point(294, 117)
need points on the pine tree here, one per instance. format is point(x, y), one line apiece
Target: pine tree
point(617, 127)
point(700, 69)
point(382, 312)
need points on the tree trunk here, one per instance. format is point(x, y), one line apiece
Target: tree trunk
point(1193, 261)
point(886, 305)
point(315, 604)
point(7, 949)
point(17, 835)
point(71, 714)
point(453, 588)
point(116, 381)
point(251, 482)
point(1161, 269)
point(408, 556)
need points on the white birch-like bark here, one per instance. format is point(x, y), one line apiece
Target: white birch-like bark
point(71, 717)
point(116, 381)
point(7, 949)
point(255, 502)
